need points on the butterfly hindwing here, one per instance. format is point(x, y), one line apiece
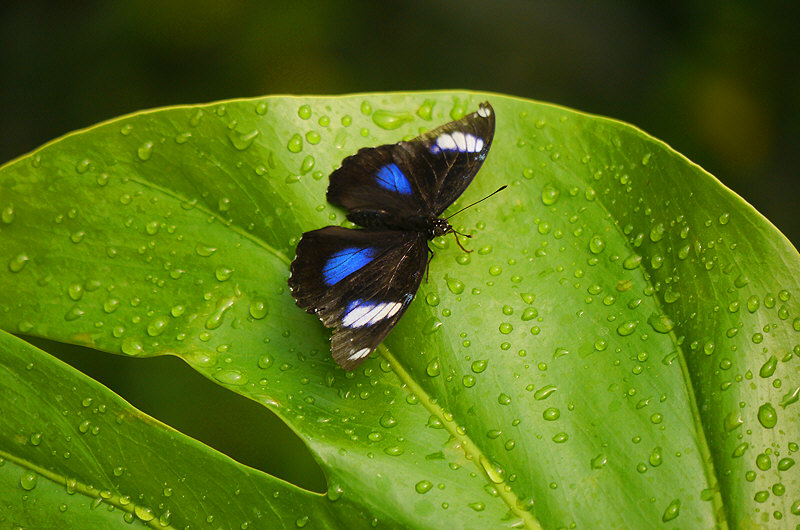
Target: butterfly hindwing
point(419, 177)
point(358, 282)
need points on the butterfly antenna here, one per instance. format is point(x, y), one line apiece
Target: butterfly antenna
point(498, 190)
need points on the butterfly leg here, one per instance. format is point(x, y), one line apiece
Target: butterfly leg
point(428, 265)
point(456, 234)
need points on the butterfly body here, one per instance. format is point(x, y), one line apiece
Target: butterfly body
point(360, 281)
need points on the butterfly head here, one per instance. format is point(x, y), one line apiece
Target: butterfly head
point(438, 227)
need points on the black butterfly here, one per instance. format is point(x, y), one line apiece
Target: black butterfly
point(360, 282)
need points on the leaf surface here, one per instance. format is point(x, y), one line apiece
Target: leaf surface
point(620, 349)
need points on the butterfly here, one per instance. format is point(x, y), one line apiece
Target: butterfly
point(360, 281)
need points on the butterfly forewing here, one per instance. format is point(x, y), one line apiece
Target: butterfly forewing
point(359, 282)
point(422, 176)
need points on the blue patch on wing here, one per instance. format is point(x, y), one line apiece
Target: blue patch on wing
point(390, 177)
point(345, 262)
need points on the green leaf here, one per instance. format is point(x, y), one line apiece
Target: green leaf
point(619, 351)
point(74, 455)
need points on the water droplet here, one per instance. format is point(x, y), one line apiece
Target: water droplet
point(544, 392)
point(672, 511)
point(479, 366)
point(626, 328)
point(425, 111)
point(307, 165)
point(204, 250)
point(660, 323)
point(733, 420)
point(599, 461)
point(242, 141)
point(258, 308)
point(631, 262)
point(763, 462)
point(791, 397)
point(304, 112)
point(74, 314)
point(144, 513)
point(230, 377)
point(432, 325)
point(455, 286)
point(131, 347)
point(145, 151)
point(216, 318)
point(18, 262)
point(295, 144)
point(264, 362)
point(28, 480)
point(503, 399)
point(767, 415)
point(506, 328)
point(432, 299)
point(656, 457)
point(785, 464)
point(550, 194)
point(646, 158)
point(157, 327)
point(391, 120)
point(423, 486)
point(313, 137)
point(768, 368)
point(434, 368)
point(223, 273)
point(529, 313)
point(752, 304)
point(551, 414)
point(596, 244)
point(7, 215)
point(468, 381)
point(387, 421)
point(657, 232)
point(560, 438)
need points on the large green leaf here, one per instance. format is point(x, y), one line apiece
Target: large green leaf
point(620, 351)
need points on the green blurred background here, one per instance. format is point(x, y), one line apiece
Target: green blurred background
point(719, 81)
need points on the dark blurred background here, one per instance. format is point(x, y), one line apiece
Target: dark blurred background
point(719, 81)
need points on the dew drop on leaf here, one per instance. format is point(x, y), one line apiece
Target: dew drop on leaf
point(28, 480)
point(295, 144)
point(423, 486)
point(767, 415)
point(391, 120)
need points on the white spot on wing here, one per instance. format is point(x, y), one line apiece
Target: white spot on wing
point(458, 141)
point(470, 143)
point(461, 142)
point(446, 142)
point(363, 352)
point(367, 314)
point(484, 112)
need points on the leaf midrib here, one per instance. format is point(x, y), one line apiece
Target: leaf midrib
point(470, 448)
point(88, 491)
point(702, 442)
